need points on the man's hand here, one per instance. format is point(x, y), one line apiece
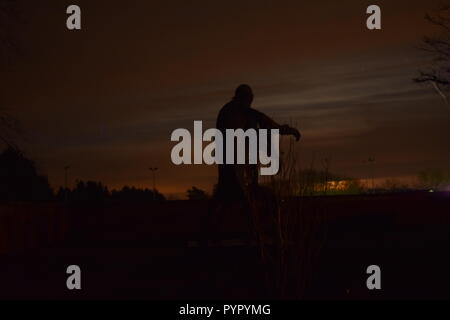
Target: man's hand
point(285, 129)
point(296, 134)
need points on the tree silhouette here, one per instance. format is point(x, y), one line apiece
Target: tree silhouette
point(439, 47)
point(96, 192)
point(84, 192)
point(135, 195)
point(9, 128)
point(197, 194)
point(433, 178)
point(19, 180)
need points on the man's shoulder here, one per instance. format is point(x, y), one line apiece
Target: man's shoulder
point(223, 114)
point(228, 107)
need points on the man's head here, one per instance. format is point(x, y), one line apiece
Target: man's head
point(244, 94)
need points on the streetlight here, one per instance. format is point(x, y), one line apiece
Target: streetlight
point(153, 170)
point(371, 161)
point(66, 169)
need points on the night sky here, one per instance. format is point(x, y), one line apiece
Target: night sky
point(106, 99)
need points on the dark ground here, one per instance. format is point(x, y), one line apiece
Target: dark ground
point(142, 251)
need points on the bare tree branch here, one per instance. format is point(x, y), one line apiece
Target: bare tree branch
point(439, 47)
point(439, 91)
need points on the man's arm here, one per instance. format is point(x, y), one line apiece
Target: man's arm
point(266, 122)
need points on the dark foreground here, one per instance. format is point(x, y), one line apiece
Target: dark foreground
point(153, 251)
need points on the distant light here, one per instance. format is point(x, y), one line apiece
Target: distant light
point(431, 190)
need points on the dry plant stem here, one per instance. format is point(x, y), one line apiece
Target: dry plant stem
point(289, 246)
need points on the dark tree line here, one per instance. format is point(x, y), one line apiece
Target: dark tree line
point(96, 192)
point(197, 194)
point(19, 179)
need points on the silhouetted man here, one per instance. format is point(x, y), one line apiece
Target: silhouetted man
point(236, 179)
